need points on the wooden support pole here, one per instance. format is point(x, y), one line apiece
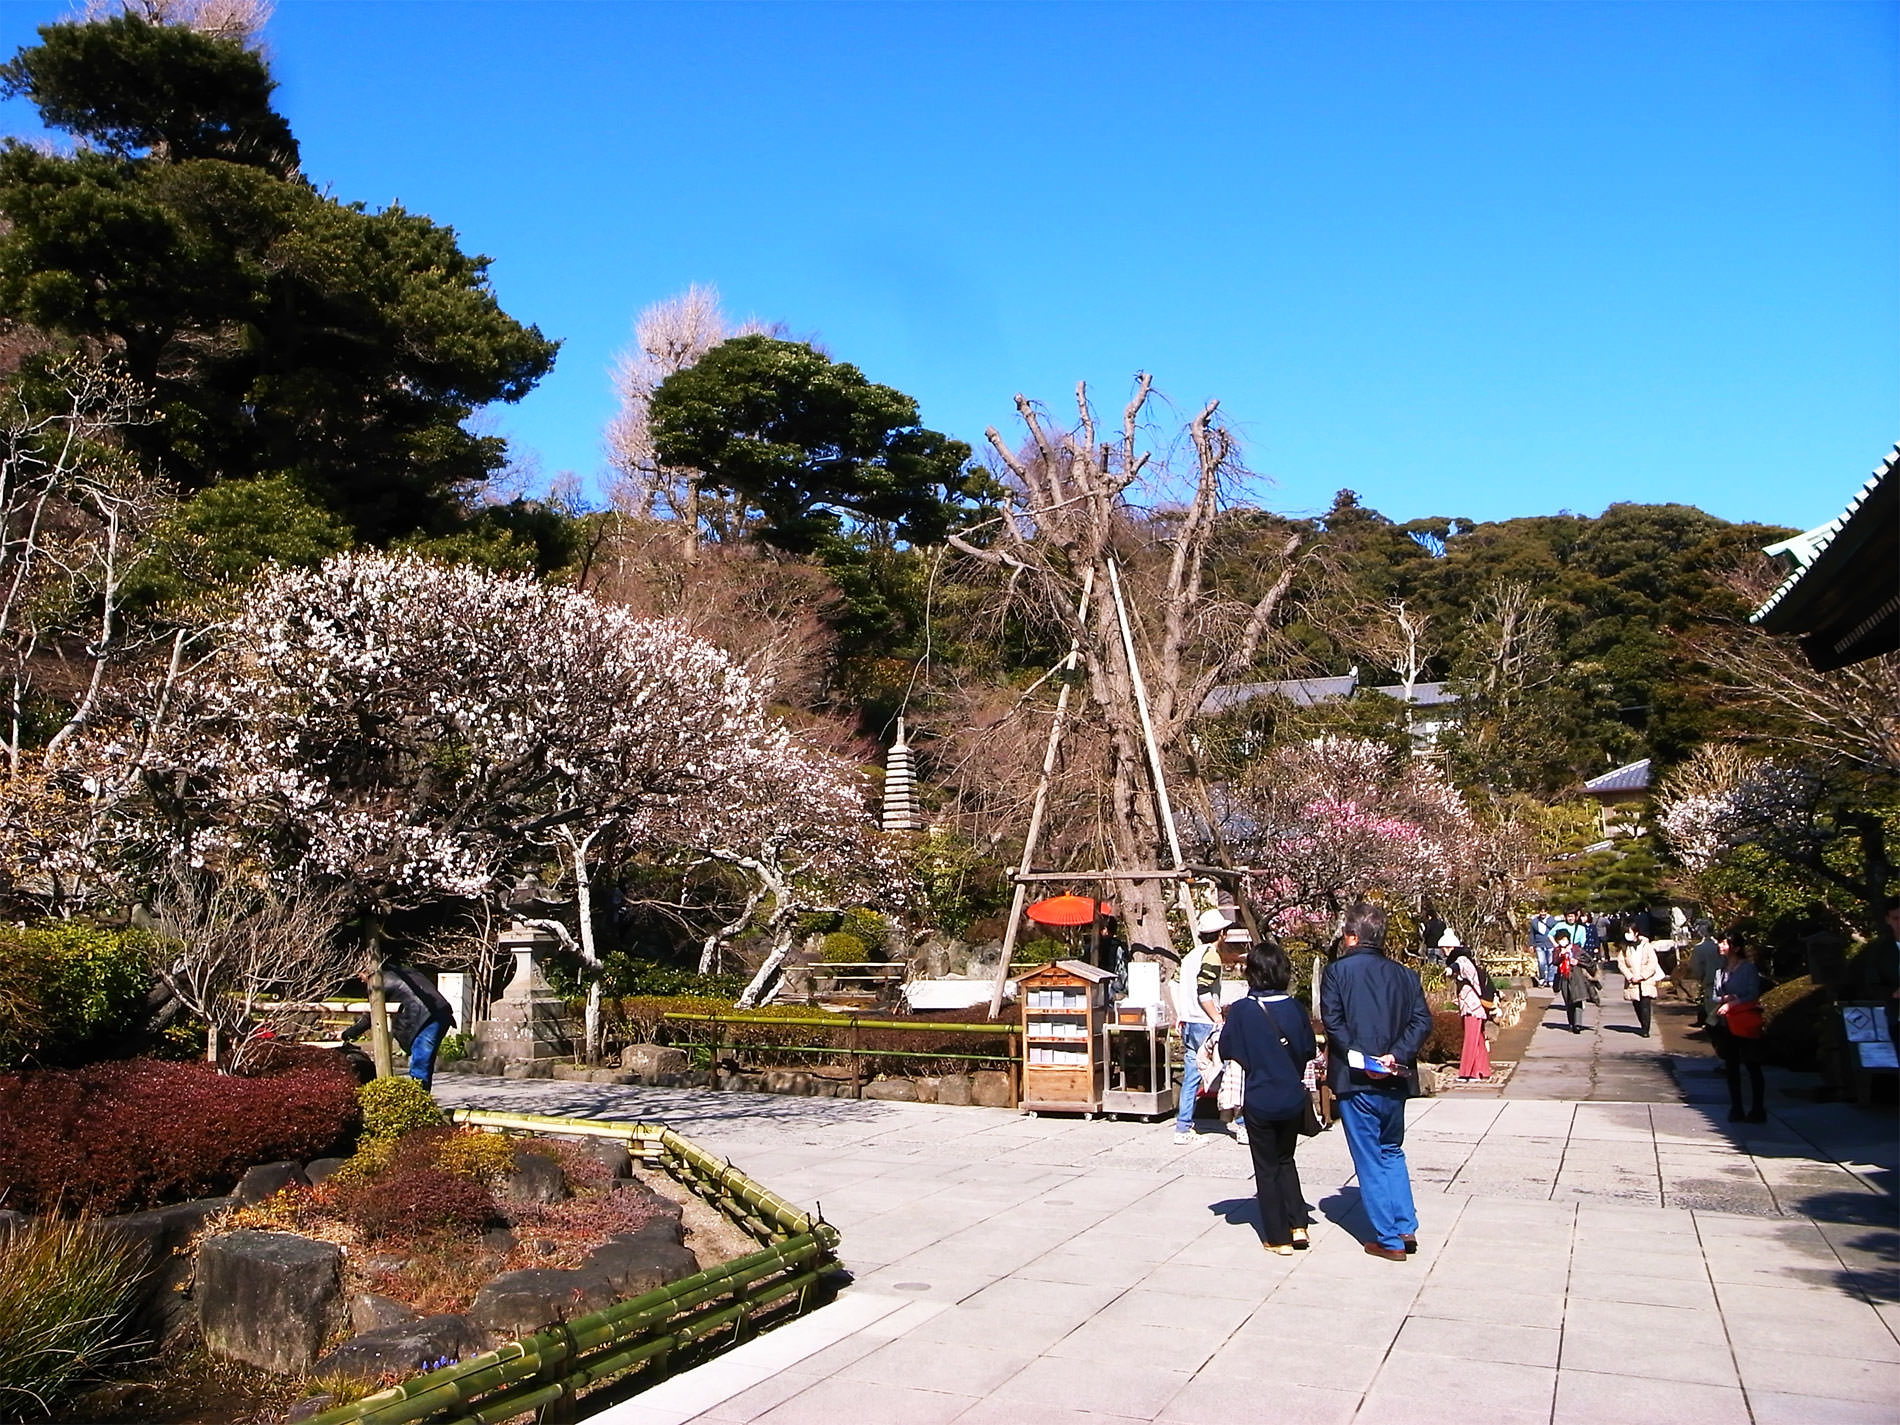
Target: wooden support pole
point(1164, 807)
point(1021, 895)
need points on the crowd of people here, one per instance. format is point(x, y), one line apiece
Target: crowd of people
point(1376, 1019)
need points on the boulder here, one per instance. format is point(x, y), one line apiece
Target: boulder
point(954, 1089)
point(610, 1153)
point(322, 1169)
point(372, 1312)
point(528, 1069)
point(989, 1088)
point(164, 1236)
point(653, 1059)
point(926, 1088)
point(269, 1299)
point(269, 1179)
point(517, 1304)
point(638, 1262)
point(403, 1349)
point(892, 1090)
point(536, 1178)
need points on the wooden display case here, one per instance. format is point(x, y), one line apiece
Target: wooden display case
point(1063, 1006)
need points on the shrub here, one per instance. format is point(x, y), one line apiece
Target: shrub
point(115, 1137)
point(622, 974)
point(66, 1296)
point(873, 930)
point(1446, 1043)
point(1794, 1020)
point(485, 1157)
point(395, 1106)
point(1043, 950)
point(70, 992)
point(843, 948)
point(413, 1202)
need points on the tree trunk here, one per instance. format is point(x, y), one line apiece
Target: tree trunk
point(379, 1051)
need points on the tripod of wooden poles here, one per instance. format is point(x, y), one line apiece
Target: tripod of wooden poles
point(1180, 872)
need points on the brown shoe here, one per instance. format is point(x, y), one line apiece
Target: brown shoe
point(1391, 1254)
point(1411, 1243)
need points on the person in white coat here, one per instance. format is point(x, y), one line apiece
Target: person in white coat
point(1642, 976)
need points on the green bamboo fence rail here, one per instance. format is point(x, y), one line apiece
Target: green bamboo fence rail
point(542, 1372)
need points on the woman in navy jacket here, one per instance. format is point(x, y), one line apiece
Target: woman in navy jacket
point(1270, 1035)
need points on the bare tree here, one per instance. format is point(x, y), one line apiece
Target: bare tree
point(1070, 523)
point(1396, 637)
point(240, 21)
point(1850, 713)
point(236, 953)
point(668, 337)
point(75, 517)
point(772, 613)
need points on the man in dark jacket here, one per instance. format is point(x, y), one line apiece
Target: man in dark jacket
point(1376, 1022)
point(419, 1018)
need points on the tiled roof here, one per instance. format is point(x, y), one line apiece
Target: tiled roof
point(1633, 777)
point(1301, 692)
point(1424, 695)
point(1804, 551)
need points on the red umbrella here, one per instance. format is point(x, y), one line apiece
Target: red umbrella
point(1067, 910)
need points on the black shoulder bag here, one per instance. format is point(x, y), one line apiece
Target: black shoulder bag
point(1310, 1126)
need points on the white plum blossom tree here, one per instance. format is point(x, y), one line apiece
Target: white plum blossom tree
point(801, 831)
point(407, 728)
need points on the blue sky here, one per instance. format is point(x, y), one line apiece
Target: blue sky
point(1468, 260)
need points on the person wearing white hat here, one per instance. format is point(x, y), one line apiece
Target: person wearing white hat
point(1197, 1006)
point(1474, 1006)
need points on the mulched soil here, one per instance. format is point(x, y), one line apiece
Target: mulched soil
point(185, 1386)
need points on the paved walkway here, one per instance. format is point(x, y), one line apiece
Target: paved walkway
point(1580, 1262)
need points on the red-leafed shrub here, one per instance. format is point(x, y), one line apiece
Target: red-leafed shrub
point(117, 1137)
point(414, 1202)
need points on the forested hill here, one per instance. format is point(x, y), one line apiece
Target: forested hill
point(1569, 639)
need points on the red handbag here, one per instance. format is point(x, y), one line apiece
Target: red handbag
point(1743, 1018)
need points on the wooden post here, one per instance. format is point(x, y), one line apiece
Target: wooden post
point(857, 1086)
point(1041, 805)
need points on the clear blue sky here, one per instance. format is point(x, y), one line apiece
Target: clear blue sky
point(1471, 260)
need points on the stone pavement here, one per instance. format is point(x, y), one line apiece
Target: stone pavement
point(1580, 1262)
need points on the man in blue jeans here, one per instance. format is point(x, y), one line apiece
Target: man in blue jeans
point(1197, 1006)
point(418, 1018)
point(1376, 1022)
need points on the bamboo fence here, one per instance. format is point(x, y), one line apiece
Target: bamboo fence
point(543, 1374)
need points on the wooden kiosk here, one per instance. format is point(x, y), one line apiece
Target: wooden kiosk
point(1064, 1005)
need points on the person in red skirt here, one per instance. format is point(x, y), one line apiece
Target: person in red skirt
point(1474, 1004)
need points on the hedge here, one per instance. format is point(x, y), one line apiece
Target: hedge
point(757, 1033)
point(118, 1137)
point(1794, 1019)
point(70, 992)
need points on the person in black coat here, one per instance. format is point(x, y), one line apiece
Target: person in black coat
point(1269, 1034)
point(1376, 1021)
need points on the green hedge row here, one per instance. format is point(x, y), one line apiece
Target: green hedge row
point(71, 992)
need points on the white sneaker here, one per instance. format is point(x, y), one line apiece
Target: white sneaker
point(1182, 1138)
point(1240, 1132)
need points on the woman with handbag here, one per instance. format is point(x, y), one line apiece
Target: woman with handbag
point(1269, 1034)
point(1642, 976)
point(1475, 1007)
point(1739, 1027)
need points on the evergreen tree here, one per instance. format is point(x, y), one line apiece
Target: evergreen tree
point(283, 333)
